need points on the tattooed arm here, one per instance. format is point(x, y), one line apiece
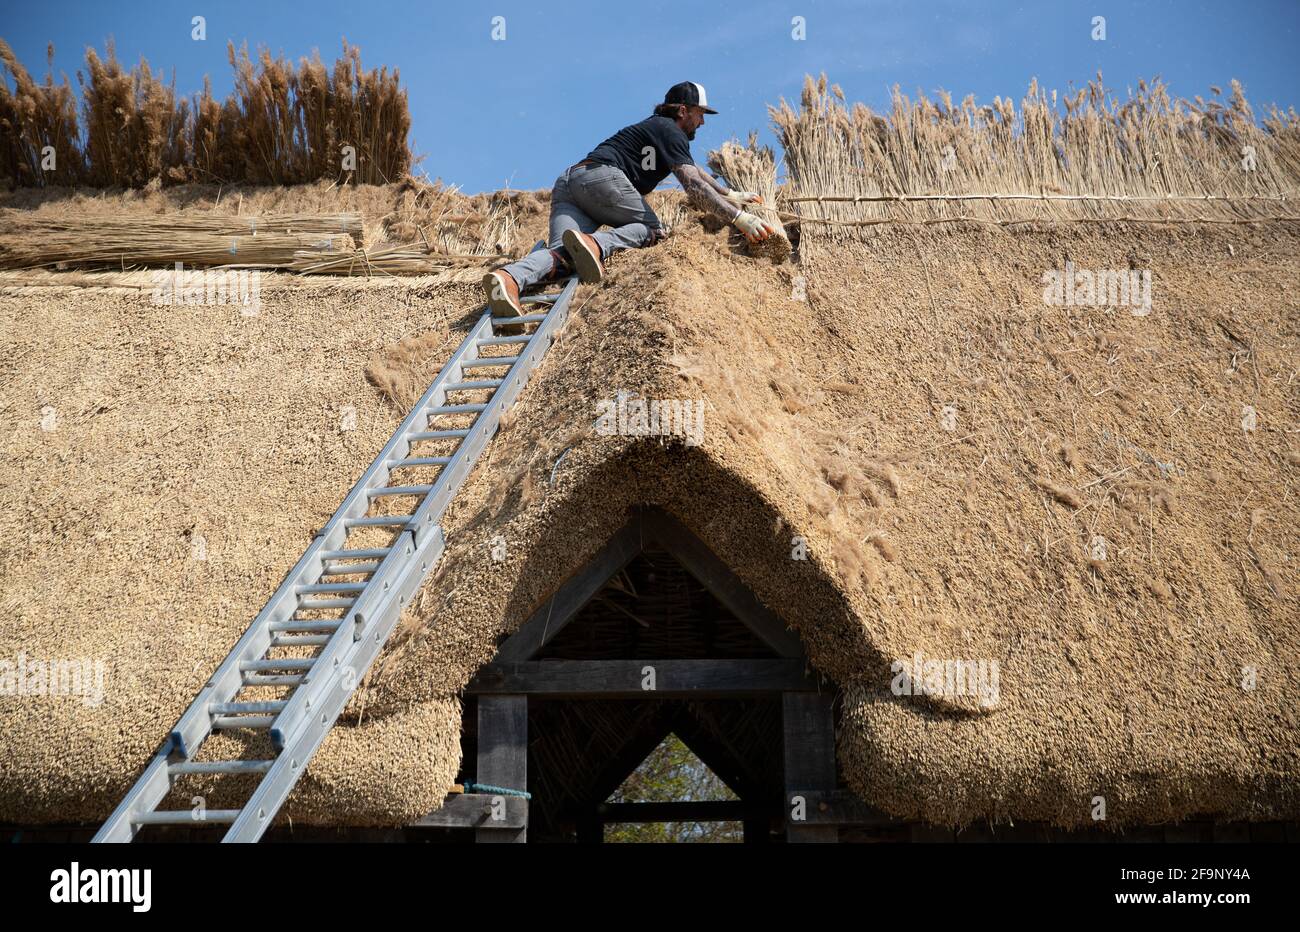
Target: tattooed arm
point(705, 192)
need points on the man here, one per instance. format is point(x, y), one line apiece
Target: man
point(608, 187)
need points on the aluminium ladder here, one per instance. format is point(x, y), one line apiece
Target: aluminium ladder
point(346, 646)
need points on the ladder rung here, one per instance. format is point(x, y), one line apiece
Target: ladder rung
point(391, 520)
point(346, 568)
point(297, 721)
point(230, 722)
point(220, 766)
point(244, 708)
point(438, 434)
point(475, 385)
point(325, 603)
point(275, 679)
point(186, 816)
point(307, 624)
point(420, 461)
point(280, 663)
point(457, 409)
point(503, 341)
point(331, 587)
point(376, 553)
point(302, 640)
point(400, 490)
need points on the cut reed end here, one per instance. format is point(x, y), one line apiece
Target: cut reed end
point(751, 167)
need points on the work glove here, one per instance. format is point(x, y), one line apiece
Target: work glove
point(743, 197)
point(755, 228)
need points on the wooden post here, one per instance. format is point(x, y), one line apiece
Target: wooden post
point(502, 754)
point(809, 758)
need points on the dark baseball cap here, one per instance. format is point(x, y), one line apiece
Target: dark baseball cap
point(689, 93)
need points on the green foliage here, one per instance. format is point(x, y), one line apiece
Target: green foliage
point(671, 773)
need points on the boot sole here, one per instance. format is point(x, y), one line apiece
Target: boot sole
point(500, 306)
point(588, 265)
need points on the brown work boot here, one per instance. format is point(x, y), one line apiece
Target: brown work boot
point(502, 294)
point(585, 253)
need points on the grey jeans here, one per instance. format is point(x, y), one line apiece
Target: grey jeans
point(584, 198)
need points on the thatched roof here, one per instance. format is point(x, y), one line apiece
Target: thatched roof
point(830, 387)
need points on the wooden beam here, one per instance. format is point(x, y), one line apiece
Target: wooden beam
point(721, 810)
point(549, 620)
point(719, 758)
point(502, 753)
point(717, 577)
point(627, 679)
point(809, 758)
point(474, 810)
point(630, 756)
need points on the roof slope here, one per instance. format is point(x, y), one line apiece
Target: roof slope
point(825, 419)
point(1121, 676)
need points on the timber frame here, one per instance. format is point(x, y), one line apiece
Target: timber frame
point(815, 805)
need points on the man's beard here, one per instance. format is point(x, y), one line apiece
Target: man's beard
point(690, 134)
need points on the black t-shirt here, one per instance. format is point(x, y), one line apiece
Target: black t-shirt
point(646, 151)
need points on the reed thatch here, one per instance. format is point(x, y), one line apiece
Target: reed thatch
point(753, 168)
point(34, 117)
point(283, 124)
point(1083, 156)
point(948, 447)
point(451, 230)
point(1119, 678)
point(242, 242)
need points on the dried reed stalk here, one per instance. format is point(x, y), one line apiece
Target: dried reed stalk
point(408, 259)
point(1090, 158)
point(34, 119)
point(20, 221)
point(446, 240)
point(120, 248)
point(753, 168)
point(281, 125)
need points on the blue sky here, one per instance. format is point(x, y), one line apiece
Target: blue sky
point(487, 113)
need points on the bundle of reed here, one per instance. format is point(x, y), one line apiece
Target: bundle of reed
point(21, 221)
point(1149, 157)
point(283, 124)
point(403, 259)
point(33, 117)
point(135, 125)
point(286, 125)
point(447, 223)
point(122, 248)
point(752, 168)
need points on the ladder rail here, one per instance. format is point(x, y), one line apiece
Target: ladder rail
point(485, 427)
point(274, 788)
point(315, 704)
point(192, 726)
point(294, 718)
